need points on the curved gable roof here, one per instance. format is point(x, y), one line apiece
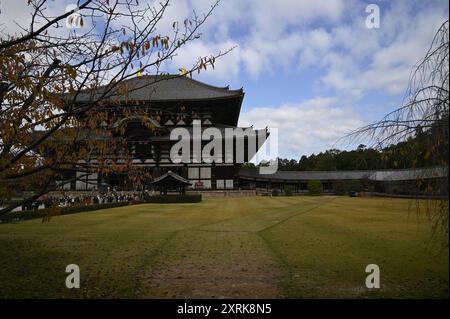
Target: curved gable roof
point(163, 88)
point(170, 177)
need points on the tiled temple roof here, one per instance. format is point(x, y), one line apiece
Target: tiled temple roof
point(170, 176)
point(376, 175)
point(163, 88)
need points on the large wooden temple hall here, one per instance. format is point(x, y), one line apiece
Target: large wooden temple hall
point(169, 102)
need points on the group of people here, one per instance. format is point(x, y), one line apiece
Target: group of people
point(82, 199)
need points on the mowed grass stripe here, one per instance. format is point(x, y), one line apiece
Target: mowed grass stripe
point(326, 251)
point(225, 259)
point(264, 217)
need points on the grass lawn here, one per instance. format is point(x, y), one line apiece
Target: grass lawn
point(268, 247)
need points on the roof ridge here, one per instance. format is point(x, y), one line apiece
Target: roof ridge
point(176, 76)
point(173, 175)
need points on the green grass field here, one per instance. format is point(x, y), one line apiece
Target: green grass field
point(256, 247)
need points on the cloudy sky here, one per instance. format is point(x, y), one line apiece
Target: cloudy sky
point(310, 68)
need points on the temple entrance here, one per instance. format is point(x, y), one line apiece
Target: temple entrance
point(171, 182)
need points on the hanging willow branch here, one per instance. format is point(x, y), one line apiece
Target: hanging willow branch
point(422, 119)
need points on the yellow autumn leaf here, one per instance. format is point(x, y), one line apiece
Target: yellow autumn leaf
point(183, 71)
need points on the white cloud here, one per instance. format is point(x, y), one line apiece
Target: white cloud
point(226, 68)
point(270, 34)
point(362, 60)
point(291, 35)
point(327, 36)
point(16, 17)
point(307, 127)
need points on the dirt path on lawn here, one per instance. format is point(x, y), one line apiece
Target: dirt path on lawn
point(222, 260)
